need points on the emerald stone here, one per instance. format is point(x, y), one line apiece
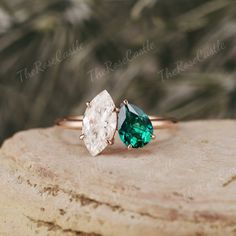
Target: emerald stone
point(134, 126)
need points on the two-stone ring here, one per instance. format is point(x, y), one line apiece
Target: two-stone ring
point(101, 120)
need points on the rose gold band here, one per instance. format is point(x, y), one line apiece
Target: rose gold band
point(75, 122)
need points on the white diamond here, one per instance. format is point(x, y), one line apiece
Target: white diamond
point(99, 123)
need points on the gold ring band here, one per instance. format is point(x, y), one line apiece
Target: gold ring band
point(75, 122)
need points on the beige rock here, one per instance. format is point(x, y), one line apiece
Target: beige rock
point(183, 183)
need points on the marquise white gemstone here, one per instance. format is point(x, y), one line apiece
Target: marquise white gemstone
point(99, 123)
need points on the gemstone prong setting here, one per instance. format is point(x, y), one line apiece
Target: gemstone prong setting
point(129, 147)
point(87, 104)
point(116, 109)
point(126, 102)
point(81, 137)
point(110, 142)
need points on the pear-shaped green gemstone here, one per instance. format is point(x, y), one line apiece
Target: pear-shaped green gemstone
point(134, 126)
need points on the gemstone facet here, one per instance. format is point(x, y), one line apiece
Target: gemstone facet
point(134, 126)
point(99, 123)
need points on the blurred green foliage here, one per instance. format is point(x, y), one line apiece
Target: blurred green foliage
point(57, 54)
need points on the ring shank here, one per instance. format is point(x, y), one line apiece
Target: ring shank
point(75, 122)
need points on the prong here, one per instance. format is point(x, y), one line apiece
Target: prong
point(110, 142)
point(88, 104)
point(116, 109)
point(81, 137)
point(129, 147)
point(126, 102)
point(153, 136)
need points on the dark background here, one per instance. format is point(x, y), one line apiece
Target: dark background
point(92, 34)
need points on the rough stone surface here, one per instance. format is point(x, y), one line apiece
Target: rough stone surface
point(99, 123)
point(183, 184)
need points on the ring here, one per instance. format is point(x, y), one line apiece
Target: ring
point(102, 118)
